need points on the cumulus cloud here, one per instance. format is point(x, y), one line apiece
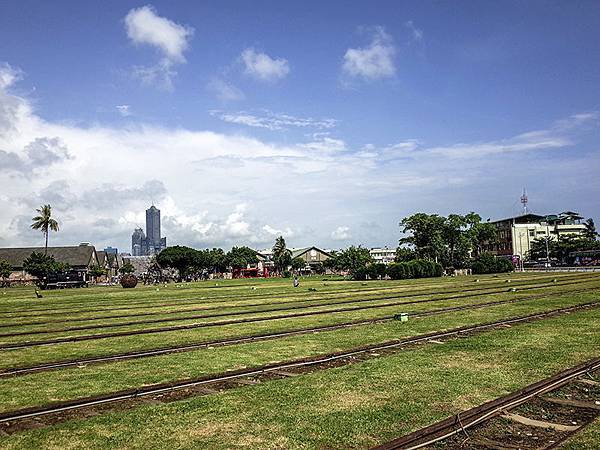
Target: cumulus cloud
point(373, 62)
point(219, 189)
point(273, 121)
point(341, 233)
point(262, 67)
point(145, 27)
point(38, 154)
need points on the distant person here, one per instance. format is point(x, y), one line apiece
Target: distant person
point(296, 282)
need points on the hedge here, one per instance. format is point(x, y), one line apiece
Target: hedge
point(417, 268)
point(488, 263)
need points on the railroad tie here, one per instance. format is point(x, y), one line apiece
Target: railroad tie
point(588, 382)
point(539, 423)
point(574, 403)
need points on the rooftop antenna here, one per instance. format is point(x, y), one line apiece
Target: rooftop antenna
point(524, 201)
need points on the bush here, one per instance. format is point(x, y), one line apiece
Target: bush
point(396, 271)
point(417, 268)
point(488, 263)
point(380, 270)
point(286, 274)
point(129, 281)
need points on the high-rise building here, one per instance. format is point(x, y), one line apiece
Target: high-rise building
point(150, 243)
point(153, 225)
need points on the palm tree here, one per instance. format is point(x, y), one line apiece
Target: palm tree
point(45, 222)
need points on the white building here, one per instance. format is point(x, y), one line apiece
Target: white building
point(383, 255)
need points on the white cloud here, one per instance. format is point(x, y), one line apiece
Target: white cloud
point(225, 91)
point(145, 27)
point(273, 121)
point(274, 232)
point(325, 145)
point(124, 110)
point(9, 75)
point(373, 62)
point(262, 67)
point(416, 33)
point(341, 233)
point(218, 189)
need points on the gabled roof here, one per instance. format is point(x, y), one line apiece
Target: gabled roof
point(102, 257)
point(79, 256)
point(301, 251)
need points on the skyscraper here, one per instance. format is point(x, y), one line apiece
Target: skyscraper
point(151, 243)
point(153, 226)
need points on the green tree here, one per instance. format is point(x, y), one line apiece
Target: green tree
point(404, 254)
point(426, 235)
point(97, 271)
point(241, 257)
point(281, 255)
point(216, 260)
point(590, 230)
point(332, 263)
point(5, 271)
point(354, 260)
point(44, 222)
point(184, 259)
point(126, 269)
point(41, 265)
point(298, 263)
point(561, 248)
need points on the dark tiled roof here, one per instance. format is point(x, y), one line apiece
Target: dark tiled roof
point(76, 256)
point(102, 257)
point(301, 251)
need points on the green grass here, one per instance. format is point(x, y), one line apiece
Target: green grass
point(36, 355)
point(587, 439)
point(44, 387)
point(351, 406)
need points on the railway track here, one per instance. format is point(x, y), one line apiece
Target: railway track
point(468, 428)
point(249, 338)
point(142, 305)
point(13, 345)
point(211, 307)
point(9, 421)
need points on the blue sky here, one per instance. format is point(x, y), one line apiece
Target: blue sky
point(324, 121)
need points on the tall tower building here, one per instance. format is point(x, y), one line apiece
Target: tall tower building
point(153, 225)
point(151, 243)
point(138, 243)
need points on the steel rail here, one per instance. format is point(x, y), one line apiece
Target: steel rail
point(23, 370)
point(467, 419)
point(247, 297)
point(59, 340)
point(211, 307)
point(265, 369)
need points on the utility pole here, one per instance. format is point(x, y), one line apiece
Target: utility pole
point(547, 242)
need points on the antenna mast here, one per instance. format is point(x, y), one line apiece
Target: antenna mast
point(524, 201)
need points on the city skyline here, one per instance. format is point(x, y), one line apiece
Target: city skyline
point(321, 123)
point(150, 243)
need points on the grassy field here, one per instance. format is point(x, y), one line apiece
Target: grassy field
point(356, 405)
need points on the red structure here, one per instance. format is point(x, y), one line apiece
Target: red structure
point(251, 273)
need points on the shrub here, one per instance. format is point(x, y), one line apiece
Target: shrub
point(396, 271)
point(129, 281)
point(488, 263)
point(417, 268)
point(286, 274)
point(380, 270)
